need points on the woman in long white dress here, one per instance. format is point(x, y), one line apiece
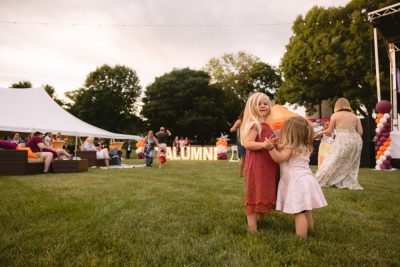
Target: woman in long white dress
point(341, 165)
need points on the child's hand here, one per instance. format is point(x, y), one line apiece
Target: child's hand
point(269, 142)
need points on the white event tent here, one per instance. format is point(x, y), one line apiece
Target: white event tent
point(32, 109)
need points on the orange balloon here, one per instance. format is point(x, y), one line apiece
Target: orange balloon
point(379, 153)
point(379, 116)
point(377, 121)
point(389, 139)
point(386, 144)
point(222, 142)
point(382, 148)
point(140, 143)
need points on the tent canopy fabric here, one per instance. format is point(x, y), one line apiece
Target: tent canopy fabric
point(278, 115)
point(32, 109)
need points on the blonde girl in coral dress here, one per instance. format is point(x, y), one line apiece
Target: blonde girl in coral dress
point(298, 190)
point(261, 172)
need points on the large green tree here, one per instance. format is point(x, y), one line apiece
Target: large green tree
point(52, 93)
point(329, 56)
point(185, 102)
point(240, 74)
point(109, 99)
point(21, 84)
point(232, 72)
point(264, 78)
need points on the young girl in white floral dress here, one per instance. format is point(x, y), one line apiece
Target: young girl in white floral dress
point(298, 190)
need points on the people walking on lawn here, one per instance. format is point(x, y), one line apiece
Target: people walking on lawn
point(150, 143)
point(298, 190)
point(341, 165)
point(162, 155)
point(261, 171)
point(162, 138)
point(240, 147)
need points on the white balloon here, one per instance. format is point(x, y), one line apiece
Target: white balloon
point(386, 153)
point(377, 167)
point(377, 130)
point(386, 115)
point(383, 158)
point(379, 162)
point(383, 120)
point(374, 115)
point(379, 125)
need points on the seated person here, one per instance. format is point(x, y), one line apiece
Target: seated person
point(58, 137)
point(102, 154)
point(17, 140)
point(102, 143)
point(58, 153)
point(115, 154)
point(89, 145)
point(36, 145)
point(48, 139)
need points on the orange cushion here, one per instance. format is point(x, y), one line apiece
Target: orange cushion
point(30, 153)
point(111, 148)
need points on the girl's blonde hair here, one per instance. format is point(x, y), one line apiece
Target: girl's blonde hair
point(342, 104)
point(251, 116)
point(297, 133)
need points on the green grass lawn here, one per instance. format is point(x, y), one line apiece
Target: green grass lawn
point(187, 214)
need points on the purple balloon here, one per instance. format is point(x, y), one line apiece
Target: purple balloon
point(383, 106)
point(386, 134)
point(379, 134)
point(379, 143)
point(386, 162)
point(382, 139)
point(389, 158)
point(383, 166)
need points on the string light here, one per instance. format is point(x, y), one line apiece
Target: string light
point(147, 25)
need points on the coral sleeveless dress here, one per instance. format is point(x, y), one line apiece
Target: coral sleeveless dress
point(262, 174)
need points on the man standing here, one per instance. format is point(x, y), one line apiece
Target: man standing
point(128, 150)
point(162, 136)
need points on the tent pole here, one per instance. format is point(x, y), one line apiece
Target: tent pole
point(378, 81)
point(76, 144)
point(392, 52)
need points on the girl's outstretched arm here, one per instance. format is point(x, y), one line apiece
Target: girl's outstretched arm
point(280, 156)
point(235, 126)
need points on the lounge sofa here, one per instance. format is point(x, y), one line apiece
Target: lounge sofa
point(16, 162)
